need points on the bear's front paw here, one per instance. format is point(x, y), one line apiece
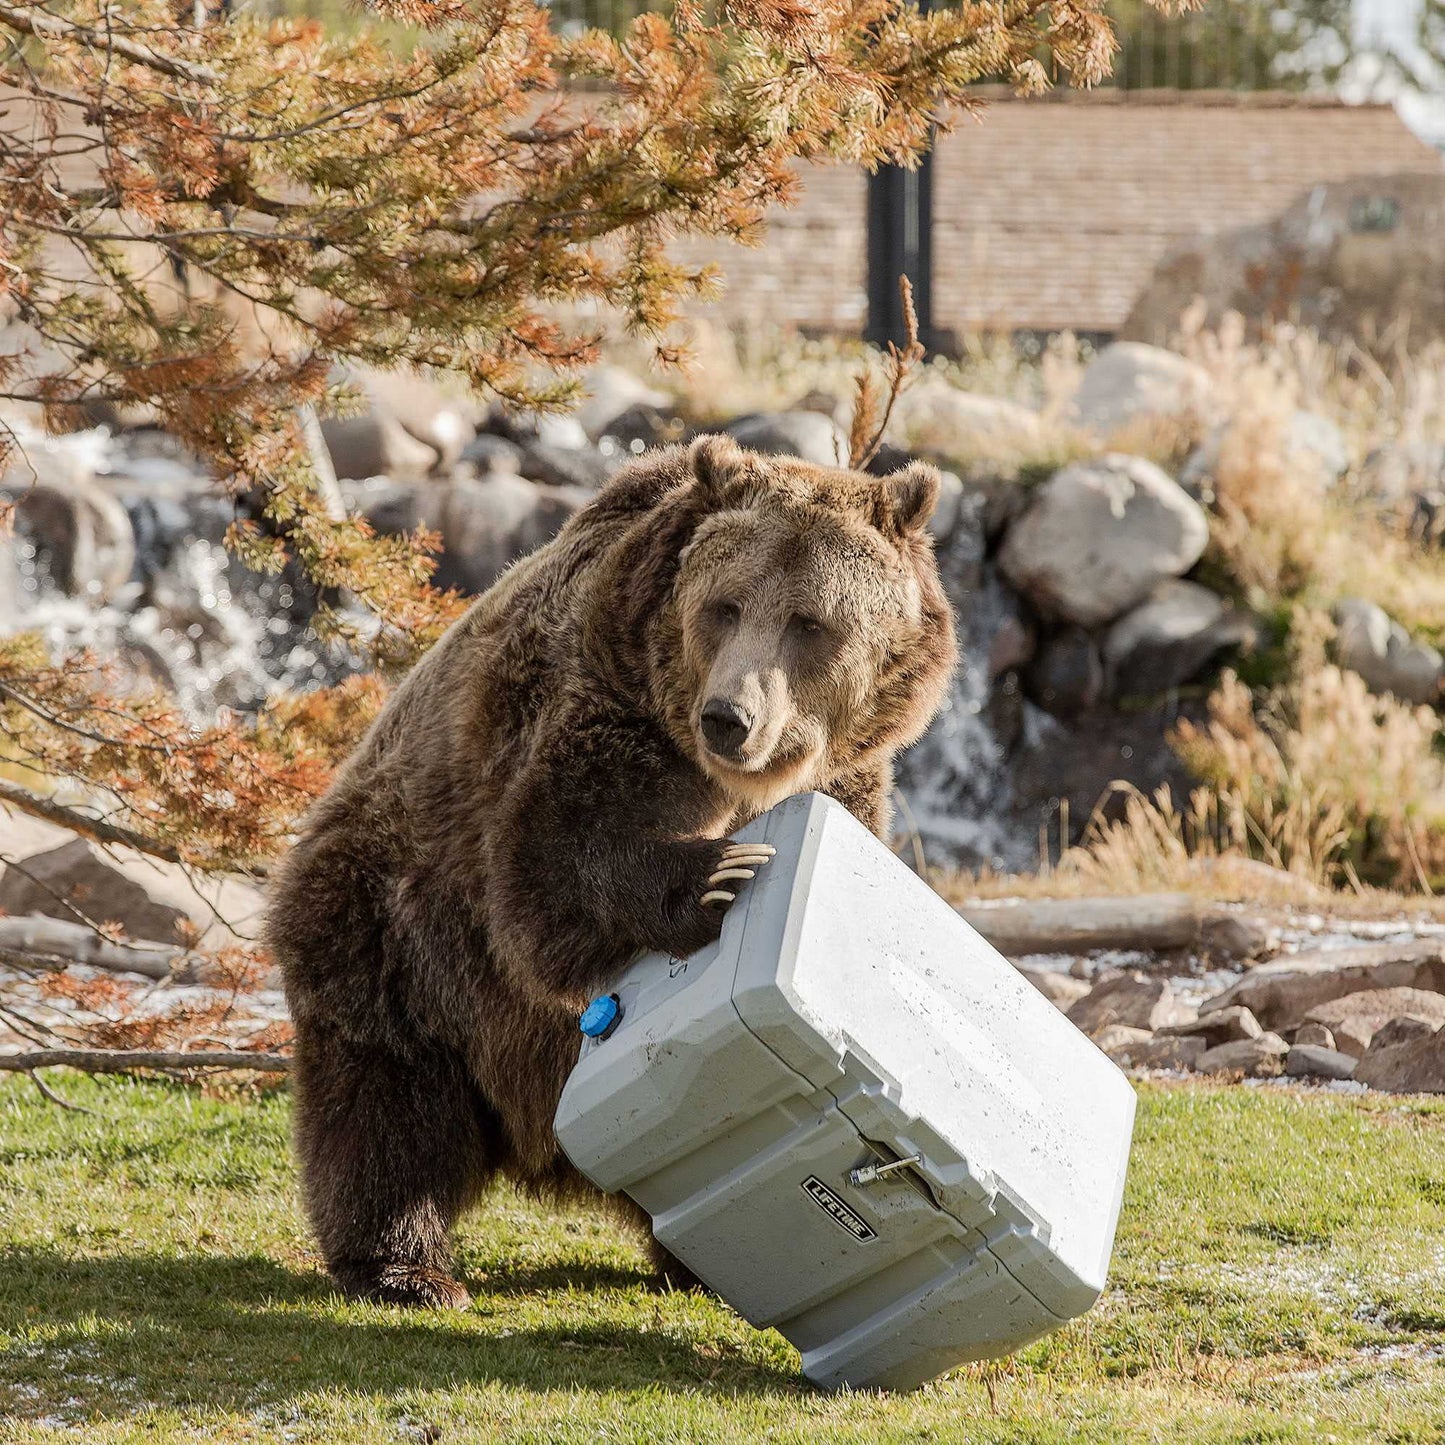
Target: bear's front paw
point(739, 863)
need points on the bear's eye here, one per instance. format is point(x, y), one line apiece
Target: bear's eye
point(726, 612)
point(803, 623)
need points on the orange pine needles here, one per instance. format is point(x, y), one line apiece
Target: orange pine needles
point(202, 221)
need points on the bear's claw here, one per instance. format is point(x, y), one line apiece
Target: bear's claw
point(740, 861)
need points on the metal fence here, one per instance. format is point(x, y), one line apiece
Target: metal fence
point(1230, 45)
point(611, 15)
point(1225, 45)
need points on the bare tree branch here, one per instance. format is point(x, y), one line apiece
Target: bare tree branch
point(45, 26)
point(12, 795)
point(46, 1092)
point(101, 831)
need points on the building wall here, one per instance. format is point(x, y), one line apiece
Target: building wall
point(1051, 213)
point(810, 269)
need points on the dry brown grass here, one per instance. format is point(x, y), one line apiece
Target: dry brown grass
point(1278, 530)
point(1157, 845)
point(1310, 791)
point(1310, 784)
point(1327, 779)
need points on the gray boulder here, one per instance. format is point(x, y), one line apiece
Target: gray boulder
point(1013, 645)
point(485, 525)
point(485, 522)
point(943, 421)
point(81, 531)
point(1129, 997)
point(1169, 638)
point(949, 507)
point(1099, 536)
point(1283, 992)
point(1262, 1057)
point(1061, 989)
point(443, 419)
point(394, 507)
point(1407, 1056)
point(611, 391)
point(639, 429)
point(1368, 641)
point(77, 878)
point(376, 445)
point(1223, 1026)
point(1065, 676)
point(1120, 1041)
point(806, 434)
point(1306, 1061)
point(556, 466)
point(551, 429)
point(1357, 1017)
point(1157, 1051)
point(487, 454)
point(1130, 382)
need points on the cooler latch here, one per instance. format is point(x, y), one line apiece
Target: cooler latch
point(867, 1173)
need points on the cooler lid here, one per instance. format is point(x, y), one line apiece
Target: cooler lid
point(883, 995)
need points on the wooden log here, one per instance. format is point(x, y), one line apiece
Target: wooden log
point(37, 941)
point(1144, 922)
point(123, 1061)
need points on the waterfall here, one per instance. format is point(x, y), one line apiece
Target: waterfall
point(956, 781)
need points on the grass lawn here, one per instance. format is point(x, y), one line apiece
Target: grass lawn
point(1280, 1276)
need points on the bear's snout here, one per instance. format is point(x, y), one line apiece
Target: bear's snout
point(725, 727)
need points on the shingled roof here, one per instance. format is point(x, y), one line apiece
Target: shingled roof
point(1052, 212)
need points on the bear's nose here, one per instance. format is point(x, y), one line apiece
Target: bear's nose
point(725, 726)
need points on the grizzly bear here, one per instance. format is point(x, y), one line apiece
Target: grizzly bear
point(550, 792)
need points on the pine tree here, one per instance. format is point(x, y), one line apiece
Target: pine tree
point(203, 220)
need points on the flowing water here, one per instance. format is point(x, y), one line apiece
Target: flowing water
point(956, 783)
point(190, 617)
point(218, 635)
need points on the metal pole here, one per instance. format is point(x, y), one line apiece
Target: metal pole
point(900, 243)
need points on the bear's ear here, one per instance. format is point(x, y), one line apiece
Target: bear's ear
point(716, 461)
point(907, 498)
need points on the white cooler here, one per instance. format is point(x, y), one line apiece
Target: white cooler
point(855, 1120)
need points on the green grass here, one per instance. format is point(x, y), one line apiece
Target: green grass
point(1279, 1276)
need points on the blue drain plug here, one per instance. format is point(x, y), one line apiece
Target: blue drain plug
point(601, 1016)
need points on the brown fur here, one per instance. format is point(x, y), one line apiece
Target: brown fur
point(537, 804)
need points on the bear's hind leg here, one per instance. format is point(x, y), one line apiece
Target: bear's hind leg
point(668, 1271)
point(391, 1151)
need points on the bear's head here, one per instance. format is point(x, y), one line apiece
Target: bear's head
point(807, 630)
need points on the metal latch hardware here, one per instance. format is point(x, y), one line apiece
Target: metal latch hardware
point(869, 1172)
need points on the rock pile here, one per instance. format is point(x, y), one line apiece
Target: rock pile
point(1371, 1012)
point(1089, 629)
